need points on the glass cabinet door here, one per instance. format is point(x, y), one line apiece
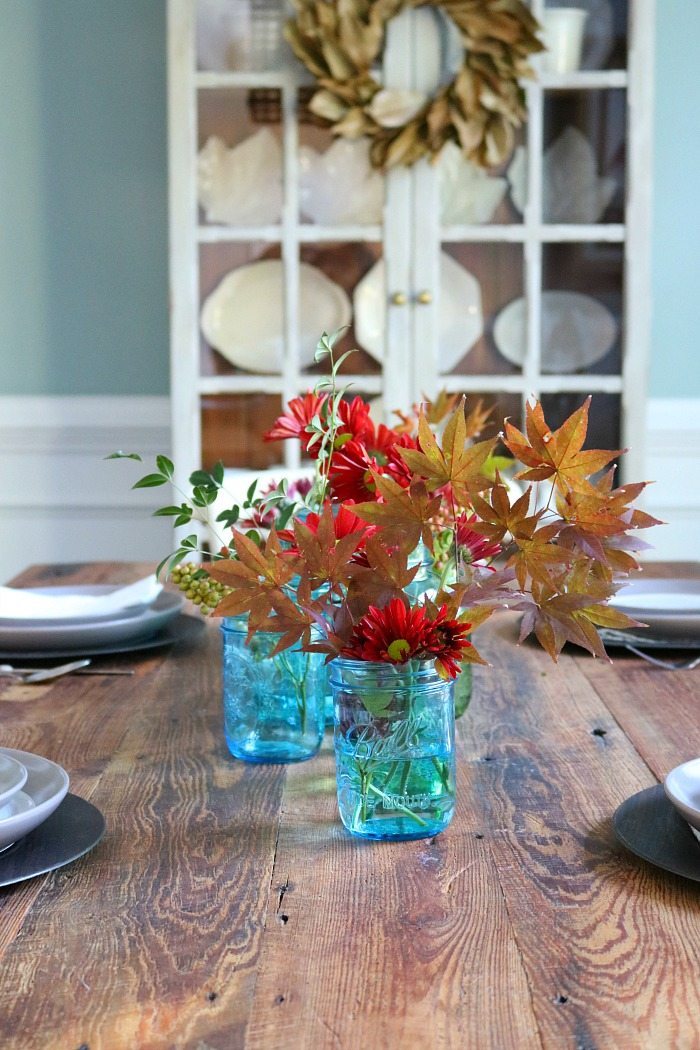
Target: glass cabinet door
point(522, 281)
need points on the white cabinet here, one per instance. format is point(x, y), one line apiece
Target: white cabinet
point(534, 281)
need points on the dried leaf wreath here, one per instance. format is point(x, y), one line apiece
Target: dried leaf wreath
point(341, 42)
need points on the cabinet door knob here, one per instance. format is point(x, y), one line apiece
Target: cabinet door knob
point(425, 298)
point(399, 299)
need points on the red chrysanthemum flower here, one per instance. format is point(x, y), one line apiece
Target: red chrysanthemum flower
point(355, 424)
point(446, 640)
point(350, 474)
point(393, 635)
point(293, 424)
point(474, 547)
point(395, 465)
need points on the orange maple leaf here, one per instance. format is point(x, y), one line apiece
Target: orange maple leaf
point(557, 454)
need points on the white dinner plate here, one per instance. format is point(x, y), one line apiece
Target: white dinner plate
point(243, 318)
point(12, 777)
point(670, 607)
point(461, 319)
point(87, 590)
point(577, 331)
point(46, 786)
point(76, 636)
point(682, 787)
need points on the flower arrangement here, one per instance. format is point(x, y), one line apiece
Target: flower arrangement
point(407, 539)
point(347, 568)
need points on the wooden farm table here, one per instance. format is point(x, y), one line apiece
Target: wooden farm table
point(226, 907)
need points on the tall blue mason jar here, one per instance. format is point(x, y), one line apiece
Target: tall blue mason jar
point(394, 747)
point(273, 705)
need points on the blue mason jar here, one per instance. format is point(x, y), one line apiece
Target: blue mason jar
point(394, 748)
point(273, 705)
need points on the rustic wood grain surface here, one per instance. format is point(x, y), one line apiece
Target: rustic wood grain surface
point(226, 907)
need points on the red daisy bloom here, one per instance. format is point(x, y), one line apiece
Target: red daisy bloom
point(293, 424)
point(474, 547)
point(393, 635)
point(446, 640)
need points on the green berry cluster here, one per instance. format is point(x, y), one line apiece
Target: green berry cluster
point(198, 587)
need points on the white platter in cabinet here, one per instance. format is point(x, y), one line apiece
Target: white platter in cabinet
point(243, 318)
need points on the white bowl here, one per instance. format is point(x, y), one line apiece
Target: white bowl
point(12, 777)
point(46, 786)
point(682, 787)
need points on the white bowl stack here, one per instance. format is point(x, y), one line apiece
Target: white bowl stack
point(31, 788)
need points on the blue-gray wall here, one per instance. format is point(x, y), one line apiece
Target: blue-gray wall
point(83, 197)
point(83, 210)
point(675, 364)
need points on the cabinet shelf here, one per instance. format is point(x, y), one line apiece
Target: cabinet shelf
point(278, 384)
point(305, 233)
point(212, 81)
point(584, 80)
point(520, 232)
point(515, 232)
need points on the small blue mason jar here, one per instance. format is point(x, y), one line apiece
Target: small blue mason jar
point(273, 705)
point(394, 748)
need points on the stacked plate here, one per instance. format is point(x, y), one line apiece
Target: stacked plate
point(31, 788)
point(682, 787)
point(669, 607)
point(89, 619)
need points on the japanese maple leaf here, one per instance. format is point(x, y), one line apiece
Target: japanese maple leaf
point(557, 616)
point(255, 577)
point(497, 517)
point(556, 454)
point(404, 513)
point(537, 555)
point(477, 419)
point(452, 462)
point(386, 575)
point(325, 557)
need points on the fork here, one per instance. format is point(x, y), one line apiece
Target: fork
point(37, 674)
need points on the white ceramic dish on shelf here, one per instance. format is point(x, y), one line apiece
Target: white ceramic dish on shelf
point(28, 637)
point(243, 318)
point(670, 607)
point(572, 191)
point(467, 193)
point(46, 786)
point(682, 787)
point(577, 331)
point(340, 186)
point(241, 186)
point(461, 319)
point(12, 777)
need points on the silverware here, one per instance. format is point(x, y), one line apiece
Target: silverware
point(54, 672)
point(10, 669)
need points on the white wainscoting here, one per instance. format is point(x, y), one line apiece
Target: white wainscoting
point(673, 464)
point(60, 500)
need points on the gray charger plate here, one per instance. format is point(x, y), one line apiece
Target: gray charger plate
point(649, 826)
point(183, 630)
point(73, 829)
